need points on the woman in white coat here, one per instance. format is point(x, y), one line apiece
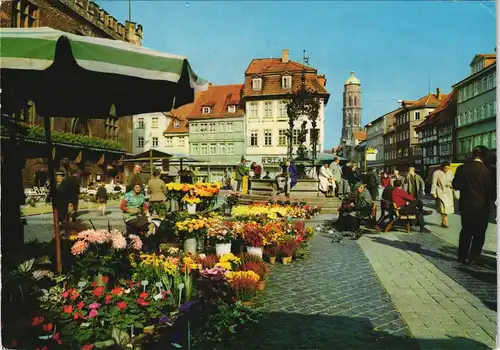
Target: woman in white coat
point(442, 191)
point(326, 181)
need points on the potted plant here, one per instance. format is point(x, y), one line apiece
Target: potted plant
point(272, 252)
point(244, 285)
point(261, 269)
point(191, 202)
point(222, 235)
point(286, 254)
point(192, 229)
point(288, 249)
point(253, 236)
point(232, 199)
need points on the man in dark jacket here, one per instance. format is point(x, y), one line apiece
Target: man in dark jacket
point(61, 200)
point(473, 180)
point(372, 183)
point(73, 192)
point(135, 178)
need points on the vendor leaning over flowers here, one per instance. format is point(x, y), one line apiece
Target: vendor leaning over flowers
point(134, 206)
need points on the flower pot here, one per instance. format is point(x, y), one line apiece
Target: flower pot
point(99, 280)
point(261, 286)
point(255, 251)
point(272, 260)
point(191, 208)
point(286, 260)
point(190, 245)
point(223, 248)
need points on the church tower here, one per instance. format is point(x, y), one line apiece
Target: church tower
point(351, 111)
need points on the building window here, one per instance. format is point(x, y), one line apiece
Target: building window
point(193, 128)
point(231, 109)
point(256, 84)
point(286, 82)
point(204, 149)
point(222, 148)
point(180, 141)
point(169, 141)
point(253, 138)
point(268, 112)
point(222, 127)
point(203, 127)
point(154, 122)
point(469, 117)
point(494, 79)
point(211, 127)
point(295, 137)
point(205, 110)
point(230, 149)
point(268, 135)
point(195, 150)
point(25, 14)
point(282, 139)
point(483, 84)
point(213, 149)
point(140, 123)
point(254, 110)
point(155, 141)
point(282, 106)
point(140, 142)
point(490, 82)
point(471, 90)
point(476, 114)
point(483, 111)
point(417, 115)
point(177, 124)
point(476, 88)
point(493, 140)
point(229, 127)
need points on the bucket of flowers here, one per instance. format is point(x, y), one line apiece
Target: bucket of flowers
point(253, 234)
point(222, 235)
point(288, 247)
point(191, 230)
point(261, 269)
point(191, 202)
point(272, 252)
point(232, 199)
point(244, 285)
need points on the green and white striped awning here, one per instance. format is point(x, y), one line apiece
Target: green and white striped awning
point(35, 49)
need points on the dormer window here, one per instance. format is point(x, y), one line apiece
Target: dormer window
point(256, 83)
point(205, 110)
point(231, 109)
point(286, 82)
point(177, 124)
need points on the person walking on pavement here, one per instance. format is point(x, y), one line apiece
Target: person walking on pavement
point(241, 170)
point(414, 184)
point(442, 191)
point(473, 180)
point(102, 197)
point(73, 191)
point(134, 179)
point(61, 201)
point(372, 183)
point(340, 183)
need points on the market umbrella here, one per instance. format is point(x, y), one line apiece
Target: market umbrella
point(68, 75)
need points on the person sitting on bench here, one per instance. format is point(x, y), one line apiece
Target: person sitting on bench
point(360, 201)
point(408, 205)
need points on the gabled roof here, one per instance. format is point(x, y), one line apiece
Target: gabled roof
point(429, 100)
point(444, 112)
point(271, 70)
point(219, 98)
point(182, 129)
point(488, 57)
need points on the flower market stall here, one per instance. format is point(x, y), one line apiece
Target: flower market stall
point(148, 292)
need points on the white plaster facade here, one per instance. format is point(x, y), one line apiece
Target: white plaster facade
point(266, 122)
point(148, 132)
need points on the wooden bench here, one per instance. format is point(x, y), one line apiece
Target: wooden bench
point(394, 215)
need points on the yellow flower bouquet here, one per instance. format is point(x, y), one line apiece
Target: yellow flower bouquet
point(191, 199)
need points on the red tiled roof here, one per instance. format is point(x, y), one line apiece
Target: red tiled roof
point(183, 126)
point(442, 112)
point(359, 135)
point(218, 97)
point(271, 70)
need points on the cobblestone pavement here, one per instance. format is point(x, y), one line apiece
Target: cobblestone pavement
point(330, 300)
point(433, 304)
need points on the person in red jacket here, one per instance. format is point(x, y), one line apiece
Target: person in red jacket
point(385, 180)
point(408, 205)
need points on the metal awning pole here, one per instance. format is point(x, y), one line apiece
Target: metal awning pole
point(52, 180)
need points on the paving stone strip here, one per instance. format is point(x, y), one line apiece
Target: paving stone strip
point(329, 300)
point(434, 306)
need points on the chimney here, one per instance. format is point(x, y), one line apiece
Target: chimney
point(438, 93)
point(284, 56)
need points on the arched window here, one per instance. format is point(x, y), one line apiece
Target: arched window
point(350, 101)
point(356, 101)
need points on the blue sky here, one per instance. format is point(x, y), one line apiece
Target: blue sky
point(393, 47)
